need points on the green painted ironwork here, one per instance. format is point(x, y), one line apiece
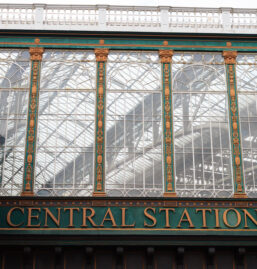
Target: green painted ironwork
point(169, 178)
point(31, 136)
point(149, 42)
point(99, 180)
point(238, 175)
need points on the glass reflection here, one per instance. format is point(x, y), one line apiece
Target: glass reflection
point(247, 102)
point(64, 165)
point(14, 87)
point(201, 128)
point(134, 125)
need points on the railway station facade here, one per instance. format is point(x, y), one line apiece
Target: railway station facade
point(128, 137)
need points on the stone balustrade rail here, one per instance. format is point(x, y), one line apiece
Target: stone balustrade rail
point(127, 18)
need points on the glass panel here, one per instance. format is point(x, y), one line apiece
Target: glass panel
point(65, 147)
point(201, 128)
point(134, 125)
point(203, 58)
point(247, 101)
point(246, 73)
point(14, 69)
point(69, 70)
point(14, 92)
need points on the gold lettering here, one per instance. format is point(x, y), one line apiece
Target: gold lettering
point(152, 218)
point(225, 220)
point(31, 217)
point(71, 210)
point(167, 216)
point(247, 214)
point(111, 218)
point(187, 219)
point(53, 218)
point(203, 210)
point(123, 219)
point(9, 215)
point(85, 217)
point(217, 220)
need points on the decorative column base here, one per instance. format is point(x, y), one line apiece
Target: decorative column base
point(169, 194)
point(27, 193)
point(99, 194)
point(240, 195)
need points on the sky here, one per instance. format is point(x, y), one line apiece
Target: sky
point(175, 3)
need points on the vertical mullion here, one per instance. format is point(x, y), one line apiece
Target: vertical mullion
point(31, 136)
point(238, 175)
point(168, 151)
point(99, 179)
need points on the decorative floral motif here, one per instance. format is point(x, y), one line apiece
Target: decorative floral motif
point(230, 60)
point(101, 58)
point(36, 57)
point(166, 57)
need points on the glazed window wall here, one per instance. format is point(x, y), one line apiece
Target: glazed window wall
point(247, 99)
point(65, 142)
point(201, 126)
point(134, 123)
point(14, 92)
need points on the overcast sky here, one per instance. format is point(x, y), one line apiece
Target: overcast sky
point(175, 3)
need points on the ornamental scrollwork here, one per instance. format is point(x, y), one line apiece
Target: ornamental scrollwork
point(101, 58)
point(166, 58)
point(36, 57)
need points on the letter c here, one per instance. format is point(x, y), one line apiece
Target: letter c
point(9, 214)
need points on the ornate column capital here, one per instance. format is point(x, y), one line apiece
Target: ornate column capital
point(165, 56)
point(101, 55)
point(229, 57)
point(36, 54)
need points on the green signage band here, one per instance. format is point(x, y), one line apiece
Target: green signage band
point(122, 219)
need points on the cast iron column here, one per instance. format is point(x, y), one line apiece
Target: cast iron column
point(169, 178)
point(99, 184)
point(238, 175)
point(31, 137)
